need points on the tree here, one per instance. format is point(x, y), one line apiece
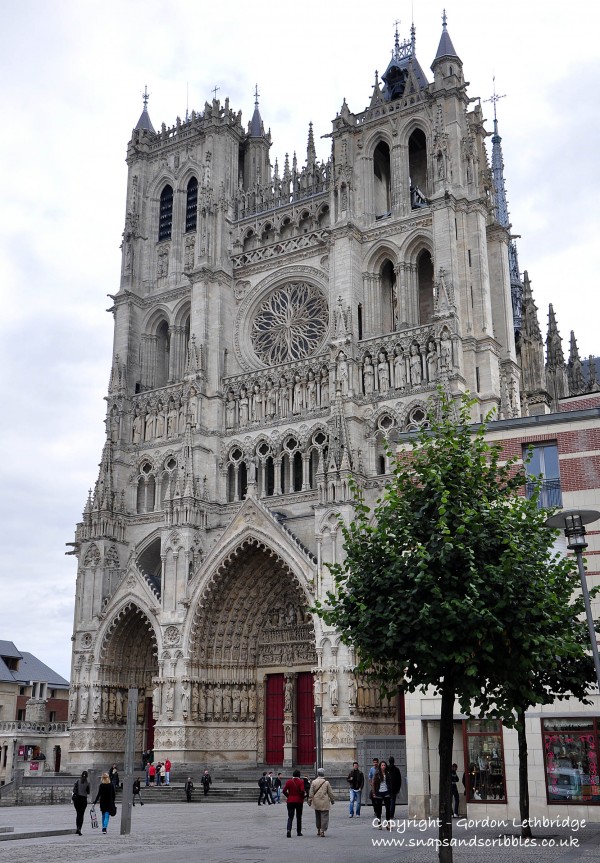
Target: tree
point(427, 588)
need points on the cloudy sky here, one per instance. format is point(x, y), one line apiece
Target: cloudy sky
point(72, 75)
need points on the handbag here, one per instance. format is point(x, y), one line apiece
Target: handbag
point(93, 816)
point(113, 810)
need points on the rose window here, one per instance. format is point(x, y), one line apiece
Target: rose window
point(290, 324)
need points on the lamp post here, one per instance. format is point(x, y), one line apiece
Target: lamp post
point(573, 522)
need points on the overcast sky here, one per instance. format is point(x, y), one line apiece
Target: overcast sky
point(72, 75)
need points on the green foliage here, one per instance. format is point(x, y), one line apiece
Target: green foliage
point(451, 579)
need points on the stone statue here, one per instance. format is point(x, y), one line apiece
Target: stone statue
point(324, 388)
point(288, 695)
point(298, 395)
point(416, 371)
point(317, 688)
point(159, 428)
point(73, 705)
point(333, 692)
point(230, 410)
point(185, 698)
point(342, 373)
point(193, 405)
point(368, 376)
point(284, 405)
point(446, 350)
point(119, 705)
point(311, 391)
point(84, 697)
point(156, 699)
point(399, 370)
point(169, 699)
point(383, 373)
point(150, 424)
point(351, 690)
point(271, 400)
point(244, 407)
point(256, 404)
point(432, 361)
point(137, 427)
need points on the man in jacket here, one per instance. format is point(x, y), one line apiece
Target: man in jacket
point(356, 780)
point(396, 783)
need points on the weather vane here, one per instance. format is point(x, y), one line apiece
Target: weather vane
point(495, 97)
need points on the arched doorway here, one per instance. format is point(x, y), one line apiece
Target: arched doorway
point(128, 658)
point(252, 652)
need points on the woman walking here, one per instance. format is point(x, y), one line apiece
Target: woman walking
point(321, 799)
point(80, 800)
point(382, 793)
point(106, 796)
point(293, 791)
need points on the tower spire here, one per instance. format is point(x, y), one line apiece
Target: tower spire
point(144, 123)
point(502, 217)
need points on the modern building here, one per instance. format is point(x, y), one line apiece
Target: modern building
point(273, 325)
point(34, 703)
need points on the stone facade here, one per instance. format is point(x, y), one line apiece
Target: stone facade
point(272, 327)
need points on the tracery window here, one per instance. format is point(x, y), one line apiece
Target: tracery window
point(165, 214)
point(290, 324)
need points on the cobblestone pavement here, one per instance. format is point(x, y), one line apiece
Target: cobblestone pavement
point(243, 833)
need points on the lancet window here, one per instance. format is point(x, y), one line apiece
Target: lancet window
point(191, 207)
point(165, 222)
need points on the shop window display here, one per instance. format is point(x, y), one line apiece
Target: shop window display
point(571, 760)
point(484, 759)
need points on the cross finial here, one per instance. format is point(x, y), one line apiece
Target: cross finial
point(256, 95)
point(396, 38)
point(145, 97)
point(495, 97)
point(444, 19)
point(214, 91)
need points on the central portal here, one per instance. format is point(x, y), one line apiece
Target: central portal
point(251, 655)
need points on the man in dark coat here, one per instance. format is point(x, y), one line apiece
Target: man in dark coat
point(395, 781)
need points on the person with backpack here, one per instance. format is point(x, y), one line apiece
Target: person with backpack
point(81, 789)
point(293, 791)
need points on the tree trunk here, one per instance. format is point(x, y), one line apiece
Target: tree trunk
point(445, 789)
point(523, 775)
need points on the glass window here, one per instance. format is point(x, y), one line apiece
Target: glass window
point(165, 222)
point(571, 760)
point(484, 757)
point(544, 463)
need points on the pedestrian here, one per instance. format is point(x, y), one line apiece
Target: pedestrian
point(137, 792)
point(270, 784)
point(206, 782)
point(455, 797)
point(293, 791)
point(81, 789)
point(372, 772)
point(189, 787)
point(382, 795)
point(114, 776)
point(356, 779)
point(167, 771)
point(395, 783)
point(263, 795)
point(277, 786)
point(321, 799)
point(162, 774)
point(106, 796)
point(151, 774)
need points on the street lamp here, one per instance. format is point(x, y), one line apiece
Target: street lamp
point(573, 522)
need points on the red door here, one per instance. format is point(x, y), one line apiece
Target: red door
point(274, 719)
point(305, 713)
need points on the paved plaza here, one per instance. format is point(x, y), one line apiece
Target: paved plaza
point(244, 833)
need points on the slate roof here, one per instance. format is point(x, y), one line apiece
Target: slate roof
point(30, 668)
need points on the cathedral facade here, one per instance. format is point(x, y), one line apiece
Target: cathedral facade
point(272, 327)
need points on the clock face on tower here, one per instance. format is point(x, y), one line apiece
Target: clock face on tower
point(290, 324)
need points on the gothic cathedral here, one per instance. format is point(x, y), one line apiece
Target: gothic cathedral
point(273, 326)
